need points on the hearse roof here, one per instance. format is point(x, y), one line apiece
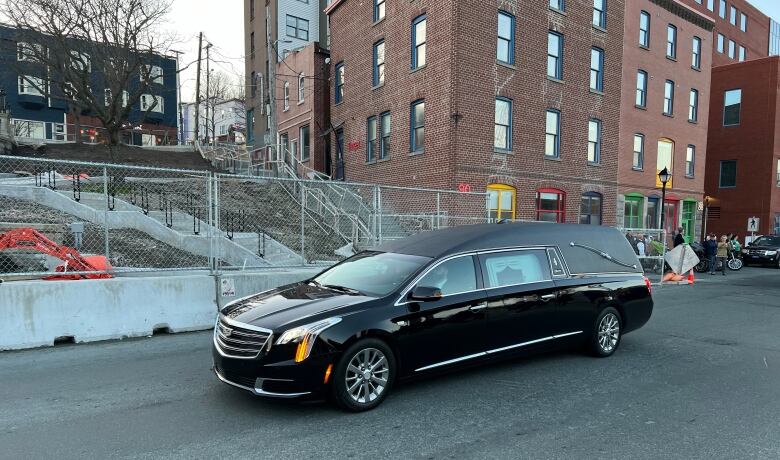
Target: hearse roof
point(586, 248)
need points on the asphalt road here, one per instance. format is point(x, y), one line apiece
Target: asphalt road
point(701, 380)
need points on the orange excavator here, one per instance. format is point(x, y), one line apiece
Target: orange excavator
point(31, 239)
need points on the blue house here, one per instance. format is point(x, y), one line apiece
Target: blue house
point(45, 117)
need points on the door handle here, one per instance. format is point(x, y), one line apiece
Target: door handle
point(479, 307)
point(547, 297)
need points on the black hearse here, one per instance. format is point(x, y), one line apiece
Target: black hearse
point(431, 302)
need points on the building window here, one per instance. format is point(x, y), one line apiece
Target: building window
point(552, 146)
point(732, 49)
point(652, 212)
point(669, 98)
point(711, 5)
point(743, 22)
point(671, 42)
point(555, 55)
point(733, 16)
point(600, 13)
point(305, 142)
point(284, 140)
point(778, 172)
point(550, 205)
point(379, 10)
point(339, 92)
point(696, 53)
point(503, 125)
point(419, 30)
point(721, 43)
point(250, 126)
point(722, 9)
point(690, 161)
point(693, 106)
point(632, 211)
point(385, 129)
point(501, 202)
point(559, 5)
point(379, 63)
point(252, 45)
point(109, 97)
point(742, 56)
point(252, 85)
point(639, 152)
point(31, 85)
point(251, 9)
point(151, 74)
point(594, 141)
point(644, 29)
point(150, 103)
point(371, 141)
point(732, 107)
point(641, 89)
point(505, 49)
point(418, 126)
point(590, 209)
point(297, 28)
point(664, 159)
point(81, 62)
point(597, 69)
point(728, 174)
point(286, 96)
point(301, 88)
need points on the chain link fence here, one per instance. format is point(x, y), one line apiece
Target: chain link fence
point(90, 219)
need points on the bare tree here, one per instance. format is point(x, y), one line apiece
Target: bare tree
point(61, 42)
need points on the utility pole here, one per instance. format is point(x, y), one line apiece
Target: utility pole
point(197, 90)
point(272, 56)
point(208, 75)
point(180, 124)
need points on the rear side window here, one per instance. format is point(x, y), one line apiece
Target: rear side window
point(515, 267)
point(452, 277)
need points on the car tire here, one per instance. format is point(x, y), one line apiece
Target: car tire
point(606, 333)
point(364, 375)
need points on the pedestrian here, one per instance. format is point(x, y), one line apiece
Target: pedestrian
point(711, 251)
point(679, 238)
point(632, 241)
point(723, 252)
point(641, 247)
point(735, 244)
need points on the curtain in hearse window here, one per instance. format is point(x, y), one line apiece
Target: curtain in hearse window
point(515, 267)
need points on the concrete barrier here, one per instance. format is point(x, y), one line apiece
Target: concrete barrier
point(35, 313)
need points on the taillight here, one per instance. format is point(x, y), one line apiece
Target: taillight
point(649, 285)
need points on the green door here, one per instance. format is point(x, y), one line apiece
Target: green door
point(689, 220)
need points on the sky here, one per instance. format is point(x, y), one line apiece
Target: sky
point(769, 7)
point(222, 24)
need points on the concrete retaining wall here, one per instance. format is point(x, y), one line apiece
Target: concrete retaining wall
point(35, 313)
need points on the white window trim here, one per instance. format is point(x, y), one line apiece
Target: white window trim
point(301, 88)
point(155, 73)
point(33, 86)
point(286, 96)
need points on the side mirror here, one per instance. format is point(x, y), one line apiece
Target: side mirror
point(425, 294)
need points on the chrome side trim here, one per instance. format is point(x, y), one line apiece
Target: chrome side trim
point(260, 392)
point(498, 350)
point(244, 325)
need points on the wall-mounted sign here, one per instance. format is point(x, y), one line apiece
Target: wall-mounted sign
point(354, 145)
point(464, 188)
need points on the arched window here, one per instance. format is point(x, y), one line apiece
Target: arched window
point(590, 210)
point(550, 205)
point(501, 201)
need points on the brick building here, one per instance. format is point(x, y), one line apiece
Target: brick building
point(519, 98)
point(282, 26)
point(743, 168)
point(667, 61)
point(741, 30)
point(303, 108)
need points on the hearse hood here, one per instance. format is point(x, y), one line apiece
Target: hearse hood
point(290, 305)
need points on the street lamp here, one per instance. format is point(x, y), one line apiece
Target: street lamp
point(664, 176)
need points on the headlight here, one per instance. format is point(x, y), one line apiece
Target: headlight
point(305, 336)
point(770, 253)
point(745, 251)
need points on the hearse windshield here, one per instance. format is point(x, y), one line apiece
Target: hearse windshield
point(375, 274)
point(768, 241)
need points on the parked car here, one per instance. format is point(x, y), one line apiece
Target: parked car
point(764, 251)
point(431, 302)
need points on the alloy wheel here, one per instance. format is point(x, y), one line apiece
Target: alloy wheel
point(609, 332)
point(367, 375)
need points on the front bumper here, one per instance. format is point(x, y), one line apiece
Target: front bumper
point(282, 379)
point(760, 258)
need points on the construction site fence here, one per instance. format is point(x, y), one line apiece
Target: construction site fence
point(81, 219)
point(650, 246)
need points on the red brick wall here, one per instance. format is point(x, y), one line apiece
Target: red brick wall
point(755, 40)
point(753, 144)
point(460, 84)
point(650, 121)
point(313, 110)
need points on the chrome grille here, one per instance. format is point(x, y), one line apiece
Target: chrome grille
point(240, 340)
